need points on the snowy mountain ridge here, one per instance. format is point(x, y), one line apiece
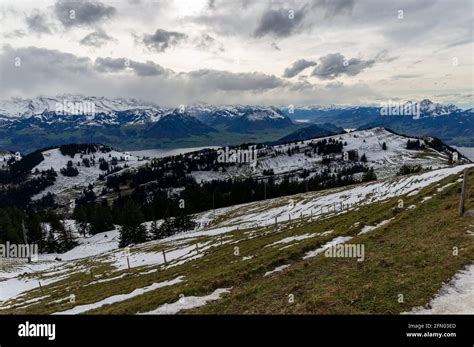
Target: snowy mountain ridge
point(26, 108)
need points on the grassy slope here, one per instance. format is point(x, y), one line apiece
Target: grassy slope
point(412, 255)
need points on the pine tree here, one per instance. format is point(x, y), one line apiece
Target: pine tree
point(51, 245)
point(183, 222)
point(35, 231)
point(155, 230)
point(369, 175)
point(101, 220)
point(166, 229)
point(81, 221)
point(66, 240)
point(132, 232)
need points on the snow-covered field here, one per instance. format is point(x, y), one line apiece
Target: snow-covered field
point(53, 158)
point(182, 248)
point(386, 163)
point(318, 203)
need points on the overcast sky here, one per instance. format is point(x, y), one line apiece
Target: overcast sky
point(240, 51)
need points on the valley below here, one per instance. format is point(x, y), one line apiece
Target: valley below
point(364, 222)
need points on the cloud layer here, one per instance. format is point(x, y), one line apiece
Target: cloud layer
point(296, 51)
point(82, 12)
point(297, 67)
point(335, 64)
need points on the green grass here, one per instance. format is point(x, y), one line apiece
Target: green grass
point(411, 255)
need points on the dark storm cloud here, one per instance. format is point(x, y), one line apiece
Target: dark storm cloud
point(335, 64)
point(51, 72)
point(111, 64)
point(96, 39)
point(37, 23)
point(40, 69)
point(297, 67)
point(39, 66)
point(147, 69)
point(82, 12)
point(114, 65)
point(45, 60)
point(278, 18)
point(279, 22)
point(162, 39)
point(229, 81)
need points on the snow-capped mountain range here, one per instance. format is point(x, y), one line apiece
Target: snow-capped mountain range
point(427, 108)
point(130, 123)
point(29, 124)
point(107, 110)
point(103, 111)
point(20, 108)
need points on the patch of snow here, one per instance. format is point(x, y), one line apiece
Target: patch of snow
point(369, 228)
point(277, 269)
point(94, 245)
point(325, 233)
point(188, 302)
point(336, 241)
point(121, 297)
point(444, 187)
point(455, 297)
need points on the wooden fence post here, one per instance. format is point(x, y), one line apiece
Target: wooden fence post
point(463, 193)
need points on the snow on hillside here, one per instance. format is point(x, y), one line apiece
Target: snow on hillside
point(16, 107)
point(26, 108)
point(455, 297)
point(325, 202)
point(121, 297)
point(188, 302)
point(214, 224)
point(53, 158)
point(369, 142)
